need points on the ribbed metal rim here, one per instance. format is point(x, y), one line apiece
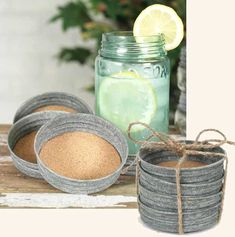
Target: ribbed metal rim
point(57, 98)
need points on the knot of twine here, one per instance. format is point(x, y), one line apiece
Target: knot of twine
point(182, 150)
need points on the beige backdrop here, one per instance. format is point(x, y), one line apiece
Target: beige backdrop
point(211, 96)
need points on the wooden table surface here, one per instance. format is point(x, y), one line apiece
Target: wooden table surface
point(20, 191)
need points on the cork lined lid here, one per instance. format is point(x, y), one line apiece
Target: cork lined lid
point(84, 134)
point(58, 101)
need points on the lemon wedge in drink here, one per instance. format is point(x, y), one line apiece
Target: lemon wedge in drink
point(160, 19)
point(126, 97)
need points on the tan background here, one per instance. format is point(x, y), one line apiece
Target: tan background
point(211, 96)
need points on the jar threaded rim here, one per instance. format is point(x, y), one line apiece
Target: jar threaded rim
point(124, 46)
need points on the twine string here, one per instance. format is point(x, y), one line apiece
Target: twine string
point(182, 150)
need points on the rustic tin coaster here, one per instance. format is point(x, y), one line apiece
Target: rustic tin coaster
point(194, 189)
point(190, 217)
point(173, 228)
point(24, 126)
point(149, 158)
point(86, 123)
point(166, 201)
point(51, 98)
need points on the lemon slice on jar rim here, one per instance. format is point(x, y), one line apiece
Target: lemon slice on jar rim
point(160, 19)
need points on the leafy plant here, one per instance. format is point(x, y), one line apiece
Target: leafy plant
point(94, 17)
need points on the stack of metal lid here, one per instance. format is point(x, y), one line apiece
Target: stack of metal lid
point(201, 190)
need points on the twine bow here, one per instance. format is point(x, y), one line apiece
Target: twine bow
point(182, 150)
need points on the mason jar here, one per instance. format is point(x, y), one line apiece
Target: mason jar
point(132, 83)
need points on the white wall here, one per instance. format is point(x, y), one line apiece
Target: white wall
point(28, 45)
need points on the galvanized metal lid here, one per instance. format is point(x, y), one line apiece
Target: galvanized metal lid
point(24, 126)
point(52, 98)
point(86, 123)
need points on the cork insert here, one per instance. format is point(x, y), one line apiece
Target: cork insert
point(80, 155)
point(24, 148)
point(186, 164)
point(55, 108)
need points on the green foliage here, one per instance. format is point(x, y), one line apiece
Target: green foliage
point(77, 54)
point(73, 14)
point(115, 15)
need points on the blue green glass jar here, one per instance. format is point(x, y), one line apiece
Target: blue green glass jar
point(132, 83)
